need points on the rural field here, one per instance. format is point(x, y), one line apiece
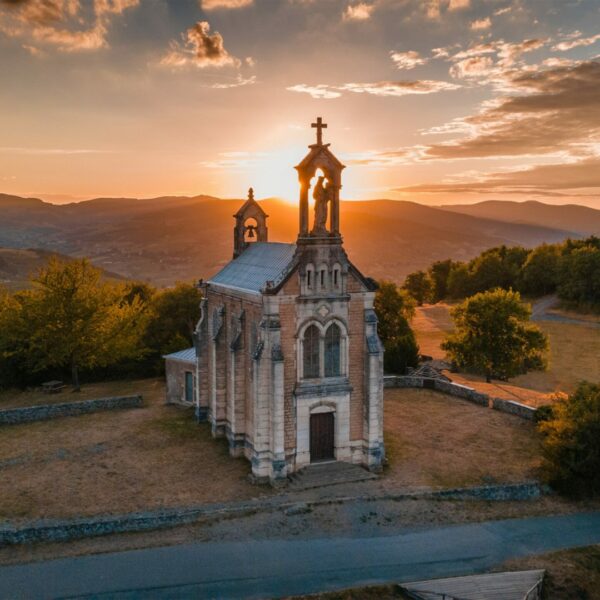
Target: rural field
point(574, 354)
point(157, 456)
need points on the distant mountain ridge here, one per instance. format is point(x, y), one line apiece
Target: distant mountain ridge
point(174, 238)
point(581, 219)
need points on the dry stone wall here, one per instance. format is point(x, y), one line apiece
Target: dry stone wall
point(14, 416)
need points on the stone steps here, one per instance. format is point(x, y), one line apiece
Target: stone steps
point(326, 474)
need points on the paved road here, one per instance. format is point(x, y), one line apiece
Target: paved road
point(266, 569)
point(540, 308)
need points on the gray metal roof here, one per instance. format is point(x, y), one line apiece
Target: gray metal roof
point(259, 263)
point(492, 586)
point(187, 355)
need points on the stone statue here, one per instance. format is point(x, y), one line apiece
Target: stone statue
point(321, 198)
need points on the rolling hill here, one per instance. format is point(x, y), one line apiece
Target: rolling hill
point(582, 219)
point(17, 264)
point(184, 238)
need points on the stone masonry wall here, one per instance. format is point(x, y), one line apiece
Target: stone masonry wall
point(462, 391)
point(13, 416)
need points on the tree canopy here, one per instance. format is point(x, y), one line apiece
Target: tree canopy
point(493, 336)
point(394, 309)
point(570, 269)
point(71, 318)
point(571, 441)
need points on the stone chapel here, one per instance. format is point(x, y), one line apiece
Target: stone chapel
point(287, 363)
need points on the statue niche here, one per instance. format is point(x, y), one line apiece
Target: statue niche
point(322, 198)
point(326, 192)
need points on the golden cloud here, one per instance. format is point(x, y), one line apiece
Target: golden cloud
point(200, 49)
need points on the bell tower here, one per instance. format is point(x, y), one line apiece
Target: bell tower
point(326, 190)
point(250, 225)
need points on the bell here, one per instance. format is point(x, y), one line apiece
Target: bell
point(250, 231)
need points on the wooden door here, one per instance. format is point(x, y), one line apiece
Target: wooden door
point(322, 437)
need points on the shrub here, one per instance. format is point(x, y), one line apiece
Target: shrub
point(571, 442)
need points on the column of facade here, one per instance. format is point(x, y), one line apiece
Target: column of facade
point(201, 346)
point(373, 436)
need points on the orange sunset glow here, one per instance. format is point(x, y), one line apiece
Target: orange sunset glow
point(436, 101)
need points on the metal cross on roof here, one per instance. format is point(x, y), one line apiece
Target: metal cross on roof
point(319, 125)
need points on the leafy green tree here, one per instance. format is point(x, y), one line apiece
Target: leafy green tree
point(497, 267)
point(71, 318)
point(571, 441)
point(540, 271)
point(394, 308)
point(174, 313)
point(579, 279)
point(439, 273)
point(493, 336)
point(459, 281)
point(419, 286)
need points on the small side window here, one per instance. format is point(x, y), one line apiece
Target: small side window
point(309, 278)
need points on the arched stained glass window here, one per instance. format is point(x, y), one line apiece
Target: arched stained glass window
point(332, 351)
point(311, 352)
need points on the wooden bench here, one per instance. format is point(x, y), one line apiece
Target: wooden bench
point(52, 387)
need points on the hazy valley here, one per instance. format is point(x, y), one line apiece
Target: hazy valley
point(185, 238)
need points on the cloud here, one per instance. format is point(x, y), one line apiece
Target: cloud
point(378, 88)
point(549, 111)
point(239, 82)
point(358, 12)
point(502, 11)
point(224, 4)
point(320, 91)
point(458, 4)
point(543, 180)
point(576, 43)
point(400, 88)
point(407, 60)
point(480, 24)
point(201, 49)
point(472, 67)
point(63, 24)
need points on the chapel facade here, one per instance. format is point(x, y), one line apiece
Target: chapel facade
point(287, 363)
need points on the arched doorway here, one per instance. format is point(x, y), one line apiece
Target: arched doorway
point(322, 436)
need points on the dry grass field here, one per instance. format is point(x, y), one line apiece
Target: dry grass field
point(157, 456)
point(436, 440)
point(574, 355)
point(570, 574)
point(112, 462)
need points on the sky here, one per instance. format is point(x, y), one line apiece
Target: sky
point(435, 101)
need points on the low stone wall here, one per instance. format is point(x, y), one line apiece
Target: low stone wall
point(13, 416)
point(461, 391)
point(66, 530)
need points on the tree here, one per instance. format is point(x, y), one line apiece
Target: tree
point(394, 308)
point(571, 441)
point(493, 336)
point(71, 318)
point(579, 279)
point(419, 286)
point(540, 271)
point(439, 273)
point(459, 281)
point(173, 316)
